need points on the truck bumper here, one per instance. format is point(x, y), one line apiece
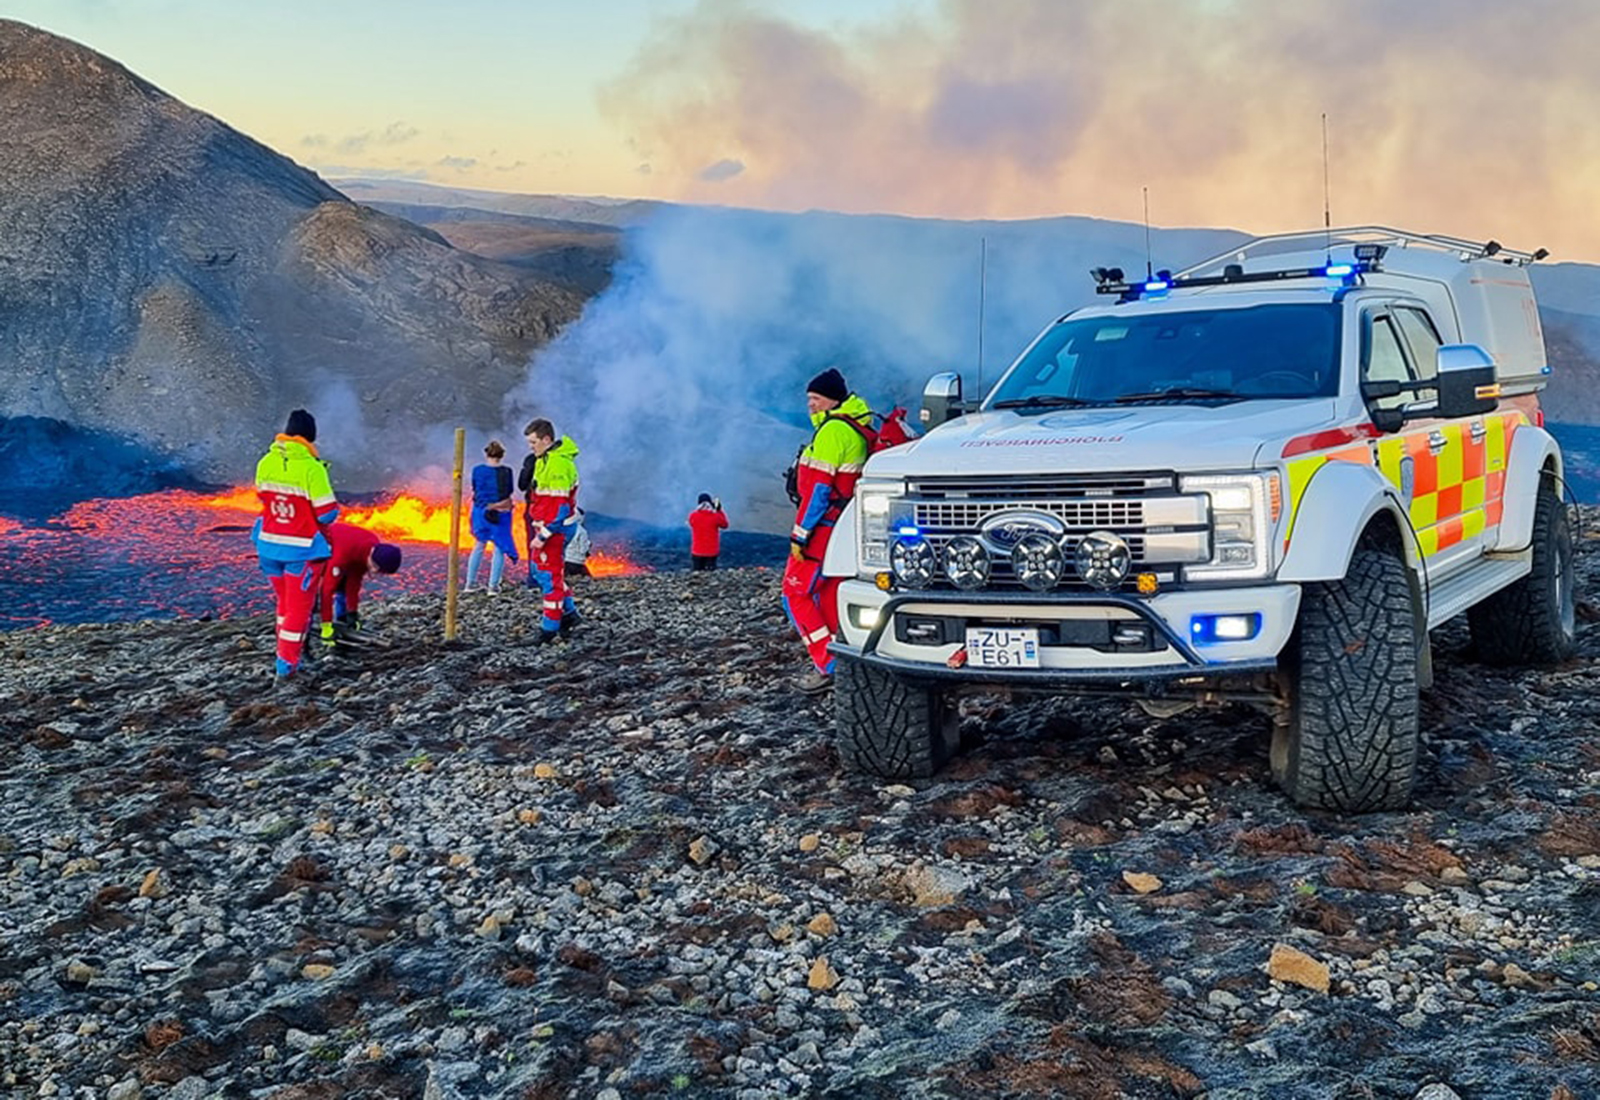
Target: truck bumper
point(919, 634)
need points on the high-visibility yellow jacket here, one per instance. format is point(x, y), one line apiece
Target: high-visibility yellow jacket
point(297, 502)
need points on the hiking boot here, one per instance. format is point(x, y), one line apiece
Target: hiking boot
point(295, 682)
point(569, 622)
point(546, 637)
point(815, 683)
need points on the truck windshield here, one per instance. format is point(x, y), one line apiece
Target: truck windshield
point(1202, 356)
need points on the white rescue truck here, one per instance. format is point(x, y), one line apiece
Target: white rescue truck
point(1264, 479)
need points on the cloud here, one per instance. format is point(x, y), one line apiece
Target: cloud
point(1456, 116)
point(396, 133)
point(724, 169)
point(458, 163)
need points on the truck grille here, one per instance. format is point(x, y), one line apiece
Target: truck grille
point(958, 517)
point(1162, 528)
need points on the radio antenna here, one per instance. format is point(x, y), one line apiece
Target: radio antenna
point(1327, 201)
point(983, 280)
point(1149, 267)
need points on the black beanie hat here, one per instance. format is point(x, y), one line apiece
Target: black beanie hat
point(386, 557)
point(302, 424)
point(829, 384)
point(705, 498)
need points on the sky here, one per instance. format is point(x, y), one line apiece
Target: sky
point(1474, 118)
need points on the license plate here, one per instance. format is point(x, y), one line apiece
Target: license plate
point(1003, 647)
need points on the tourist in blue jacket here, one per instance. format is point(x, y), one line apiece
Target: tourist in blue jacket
point(491, 516)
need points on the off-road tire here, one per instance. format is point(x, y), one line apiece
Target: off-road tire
point(889, 726)
point(1349, 737)
point(1533, 621)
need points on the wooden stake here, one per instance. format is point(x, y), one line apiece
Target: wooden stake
point(453, 571)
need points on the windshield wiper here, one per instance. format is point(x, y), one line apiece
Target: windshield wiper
point(1041, 401)
point(1179, 392)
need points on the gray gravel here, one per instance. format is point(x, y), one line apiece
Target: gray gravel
point(629, 865)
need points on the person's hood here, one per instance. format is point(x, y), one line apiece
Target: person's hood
point(565, 447)
point(852, 406)
point(293, 446)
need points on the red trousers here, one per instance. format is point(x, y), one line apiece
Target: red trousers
point(296, 588)
point(812, 599)
point(546, 568)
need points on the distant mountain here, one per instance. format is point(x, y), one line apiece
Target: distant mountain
point(577, 255)
point(167, 279)
point(619, 213)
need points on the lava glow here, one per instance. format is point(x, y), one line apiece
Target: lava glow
point(408, 518)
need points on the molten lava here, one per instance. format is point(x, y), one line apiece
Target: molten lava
point(612, 565)
point(408, 518)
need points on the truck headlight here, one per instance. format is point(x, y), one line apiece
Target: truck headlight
point(1244, 514)
point(877, 506)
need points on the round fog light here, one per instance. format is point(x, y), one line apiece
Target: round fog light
point(966, 563)
point(1038, 562)
point(913, 562)
point(1103, 559)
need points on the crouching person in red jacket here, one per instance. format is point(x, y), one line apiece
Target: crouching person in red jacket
point(356, 552)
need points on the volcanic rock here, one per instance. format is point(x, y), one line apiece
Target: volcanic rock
point(1290, 964)
point(443, 918)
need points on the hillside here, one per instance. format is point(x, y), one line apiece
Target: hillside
point(168, 279)
point(630, 865)
point(577, 255)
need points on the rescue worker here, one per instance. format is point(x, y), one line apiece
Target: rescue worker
point(297, 505)
point(829, 468)
point(706, 524)
point(356, 551)
point(549, 477)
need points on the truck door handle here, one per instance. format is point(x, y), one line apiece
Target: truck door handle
point(1478, 431)
point(1436, 442)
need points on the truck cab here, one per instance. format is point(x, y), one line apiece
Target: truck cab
point(1265, 479)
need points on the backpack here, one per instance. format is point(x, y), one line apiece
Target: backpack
point(892, 430)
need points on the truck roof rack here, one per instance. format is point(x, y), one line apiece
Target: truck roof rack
point(1112, 281)
point(1370, 234)
point(1369, 243)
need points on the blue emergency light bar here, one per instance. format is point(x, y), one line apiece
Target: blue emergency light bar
point(1367, 261)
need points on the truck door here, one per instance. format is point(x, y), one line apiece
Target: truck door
point(1437, 465)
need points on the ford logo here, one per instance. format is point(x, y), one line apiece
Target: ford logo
point(1003, 530)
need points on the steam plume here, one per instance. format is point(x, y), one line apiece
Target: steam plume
point(687, 375)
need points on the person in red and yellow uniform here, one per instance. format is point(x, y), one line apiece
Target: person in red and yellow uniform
point(356, 552)
point(550, 479)
point(297, 504)
point(829, 468)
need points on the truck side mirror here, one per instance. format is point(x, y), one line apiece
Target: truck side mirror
point(1466, 381)
point(941, 400)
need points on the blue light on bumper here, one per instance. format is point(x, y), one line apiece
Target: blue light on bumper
point(1212, 629)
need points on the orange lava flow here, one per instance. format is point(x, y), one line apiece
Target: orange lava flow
point(408, 518)
point(612, 565)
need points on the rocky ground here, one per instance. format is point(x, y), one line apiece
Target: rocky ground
point(629, 865)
